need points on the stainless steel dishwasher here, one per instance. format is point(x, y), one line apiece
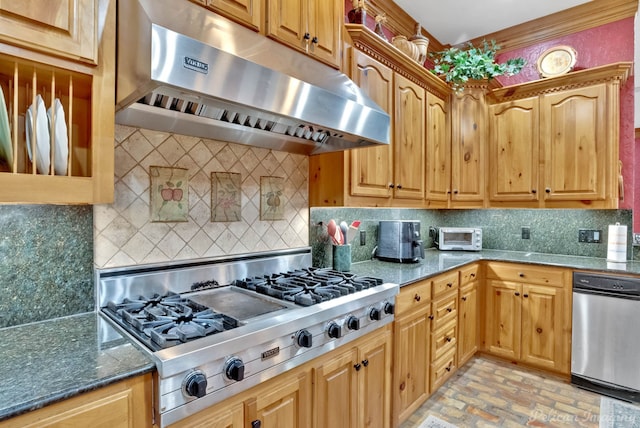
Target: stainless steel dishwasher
point(605, 348)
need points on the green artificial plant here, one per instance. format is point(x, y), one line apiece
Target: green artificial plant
point(458, 66)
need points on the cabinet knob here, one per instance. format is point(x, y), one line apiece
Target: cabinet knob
point(306, 36)
point(256, 424)
point(448, 368)
point(534, 191)
point(399, 186)
point(448, 339)
point(473, 275)
point(548, 190)
point(464, 298)
point(449, 309)
point(521, 275)
point(455, 191)
point(430, 317)
point(417, 297)
point(357, 366)
point(517, 294)
point(365, 362)
point(391, 186)
point(314, 40)
point(449, 284)
point(525, 295)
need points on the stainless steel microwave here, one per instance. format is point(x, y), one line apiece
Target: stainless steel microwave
point(457, 238)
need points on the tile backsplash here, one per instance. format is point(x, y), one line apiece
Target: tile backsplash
point(124, 234)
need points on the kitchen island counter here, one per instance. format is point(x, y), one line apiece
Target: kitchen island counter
point(437, 262)
point(53, 360)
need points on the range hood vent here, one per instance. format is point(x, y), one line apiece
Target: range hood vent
point(184, 69)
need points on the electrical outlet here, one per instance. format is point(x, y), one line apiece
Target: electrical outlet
point(590, 236)
point(363, 237)
point(526, 233)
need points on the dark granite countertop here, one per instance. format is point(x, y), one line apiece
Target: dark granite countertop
point(49, 361)
point(437, 262)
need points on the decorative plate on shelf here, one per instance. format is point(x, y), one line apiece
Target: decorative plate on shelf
point(556, 61)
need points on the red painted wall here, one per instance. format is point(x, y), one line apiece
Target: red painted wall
point(598, 46)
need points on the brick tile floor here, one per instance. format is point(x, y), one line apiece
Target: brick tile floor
point(488, 392)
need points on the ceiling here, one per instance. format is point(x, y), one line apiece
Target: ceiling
point(456, 21)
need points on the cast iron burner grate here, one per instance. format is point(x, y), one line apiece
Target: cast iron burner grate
point(309, 286)
point(165, 321)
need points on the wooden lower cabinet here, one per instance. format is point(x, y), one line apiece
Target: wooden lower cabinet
point(528, 315)
point(121, 405)
point(468, 317)
point(351, 388)
point(284, 404)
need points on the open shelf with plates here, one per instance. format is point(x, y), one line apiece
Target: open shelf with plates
point(57, 123)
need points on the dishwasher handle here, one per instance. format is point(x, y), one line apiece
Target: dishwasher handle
point(604, 293)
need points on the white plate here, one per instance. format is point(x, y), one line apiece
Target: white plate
point(6, 150)
point(61, 147)
point(43, 146)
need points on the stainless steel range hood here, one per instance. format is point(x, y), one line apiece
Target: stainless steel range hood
point(184, 69)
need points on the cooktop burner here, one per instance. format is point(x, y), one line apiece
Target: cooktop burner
point(308, 286)
point(164, 321)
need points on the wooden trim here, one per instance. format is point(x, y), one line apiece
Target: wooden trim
point(370, 43)
point(616, 71)
point(578, 18)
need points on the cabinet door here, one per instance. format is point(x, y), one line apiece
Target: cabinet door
point(336, 391)
point(242, 11)
point(468, 322)
point(574, 140)
point(409, 133)
point(325, 26)
point(468, 141)
point(375, 382)
point(438, 148)
point(285, 404)
point(371, 167)
point(411, 363)
point(503, 318)
point(513, 150)
point(542, 326)
point(287, 22)
point(64, 28)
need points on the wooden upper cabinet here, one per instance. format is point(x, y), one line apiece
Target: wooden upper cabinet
point(409, 138)
point(438, 148)
point(311, 26)
point(371, 168)
point(245, 12)
point(574, 124)
point(64, 28)
point(513, 150)
point(468, 140)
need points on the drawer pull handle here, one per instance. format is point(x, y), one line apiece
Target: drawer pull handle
point(448, 368)
point(449, 309)
point(464, 298)
point(473, 275)
point(448, 339)
point(450, 284)
point(521, 275)
point(417, 297)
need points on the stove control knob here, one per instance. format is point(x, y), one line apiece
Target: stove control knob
point(353, 323)
point(375, 314)
point(389, 308)
point(195, 384)
point(234, 369)
point(304, 339)
point(333, 330)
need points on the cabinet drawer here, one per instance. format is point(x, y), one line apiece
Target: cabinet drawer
point(526, 273)
point(469, 273)
point(444, 283)
point(442, 369)
point(443, 340)
point(444, 310)
point(413, 297)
